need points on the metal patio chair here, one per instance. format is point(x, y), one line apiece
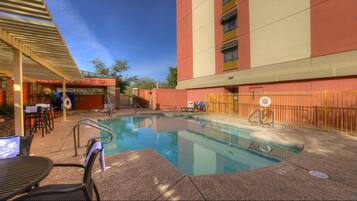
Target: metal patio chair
point(81, 191)
point(15, 146)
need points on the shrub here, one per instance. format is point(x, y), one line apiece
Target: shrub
point(6, 109)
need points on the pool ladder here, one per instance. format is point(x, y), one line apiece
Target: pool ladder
point(91, 123)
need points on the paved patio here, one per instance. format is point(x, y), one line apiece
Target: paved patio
point(145, 175)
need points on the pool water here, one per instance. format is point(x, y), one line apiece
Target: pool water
point(195, 146)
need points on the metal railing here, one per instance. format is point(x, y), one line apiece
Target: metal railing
point(334, 111)
point(94, 124)
point(262, 118)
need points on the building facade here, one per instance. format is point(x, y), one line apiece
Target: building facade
point(90, 92)
point(239, 46)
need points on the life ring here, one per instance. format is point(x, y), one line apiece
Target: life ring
point(265, 101)
point(67, 103)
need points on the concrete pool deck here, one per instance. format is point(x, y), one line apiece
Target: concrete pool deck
point(145, 175)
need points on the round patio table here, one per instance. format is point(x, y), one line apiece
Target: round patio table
point(17, 175)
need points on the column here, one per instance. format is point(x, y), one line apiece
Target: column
point(64, 110)
point(18, 96)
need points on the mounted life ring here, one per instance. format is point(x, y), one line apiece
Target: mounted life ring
point(265, 101)
point(67, 103)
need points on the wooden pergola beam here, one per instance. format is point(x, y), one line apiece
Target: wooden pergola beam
point(36, 9)
point(27, 51)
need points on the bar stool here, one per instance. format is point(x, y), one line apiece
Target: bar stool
point(47, 122)
point(30, 116)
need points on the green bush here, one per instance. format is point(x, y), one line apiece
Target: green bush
point(6, 109)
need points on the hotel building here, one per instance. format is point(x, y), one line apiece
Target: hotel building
point(240, 46)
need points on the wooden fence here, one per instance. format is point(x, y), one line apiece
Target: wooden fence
point(329, 111)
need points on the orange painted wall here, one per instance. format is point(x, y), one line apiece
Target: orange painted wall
point(243, 35)
point(86, 102)
point(25, 93)
point(342, 84)
point(200, 94)
point(333, 26)
point(168, 98)
point(184, 39)
point(1, 97)
point(144, 94)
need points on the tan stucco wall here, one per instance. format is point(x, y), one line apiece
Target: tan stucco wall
point(334, 65)
point(203, 38)
point(279, 31)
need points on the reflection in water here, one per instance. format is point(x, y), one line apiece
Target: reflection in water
point(196, 147)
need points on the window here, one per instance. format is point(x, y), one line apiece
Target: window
point(230, 51)
point(229, 21)
point(230, 54)
point(225, 1)
point(229, 25)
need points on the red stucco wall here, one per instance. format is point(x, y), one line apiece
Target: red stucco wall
point(25, 93)
point(1, 97)
point(184, 39)
point(342, 84)
point(144, 94)
point(200, 94)
point(333, 26)
point(169, 98)
point(87, 102)
point(218, 34)
point(243, 35)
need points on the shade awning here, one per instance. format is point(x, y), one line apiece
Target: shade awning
point(228, 16)
point(30, 8)
point(229, 45)
point(39, 40)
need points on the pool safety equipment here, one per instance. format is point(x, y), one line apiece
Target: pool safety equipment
point(67, 103)
point(318, 174)
point(265, 101)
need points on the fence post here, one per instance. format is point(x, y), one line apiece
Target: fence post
point(355, 92)
point(316, 115)
point(325, 110)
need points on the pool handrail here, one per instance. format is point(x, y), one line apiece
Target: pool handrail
point(94, 124)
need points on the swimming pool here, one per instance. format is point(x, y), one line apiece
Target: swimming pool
point(195, 146)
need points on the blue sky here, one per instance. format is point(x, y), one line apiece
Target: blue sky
point(141, 31)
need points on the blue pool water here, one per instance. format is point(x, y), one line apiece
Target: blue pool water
point(195, 146)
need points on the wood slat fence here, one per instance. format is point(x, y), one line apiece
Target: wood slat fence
point(329, 111)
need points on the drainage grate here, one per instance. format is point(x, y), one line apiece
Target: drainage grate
point(318, 174)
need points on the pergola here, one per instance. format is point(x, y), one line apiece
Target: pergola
point(32, 48)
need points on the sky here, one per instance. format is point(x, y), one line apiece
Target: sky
point(140, 31)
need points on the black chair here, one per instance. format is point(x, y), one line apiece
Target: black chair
point(81, 191)
point(24, 145)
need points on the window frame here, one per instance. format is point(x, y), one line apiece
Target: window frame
point(230, 51)
point(229, 28)
point(228, 18)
